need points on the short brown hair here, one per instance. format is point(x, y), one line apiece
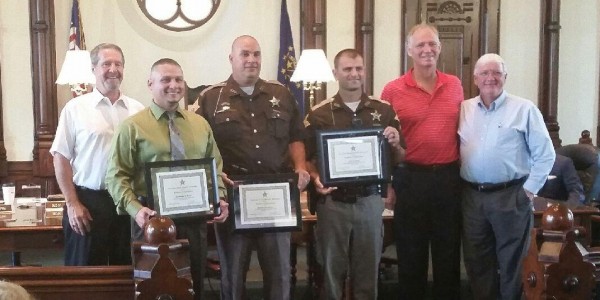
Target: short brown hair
point(352, 53)
point(165, 61)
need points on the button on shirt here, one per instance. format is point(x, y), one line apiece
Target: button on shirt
point(505, 142)
point(84, 133)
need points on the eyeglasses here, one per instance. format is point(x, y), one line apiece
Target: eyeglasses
point(495, 74)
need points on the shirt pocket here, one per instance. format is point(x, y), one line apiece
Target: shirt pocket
point(228, 125)
point(278, 123)
point(508, 137)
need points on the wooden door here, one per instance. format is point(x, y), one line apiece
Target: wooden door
point(467, 29)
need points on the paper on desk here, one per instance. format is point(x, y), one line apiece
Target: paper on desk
point(25, 200)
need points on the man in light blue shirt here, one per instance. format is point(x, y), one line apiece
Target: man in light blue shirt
point(506, 155)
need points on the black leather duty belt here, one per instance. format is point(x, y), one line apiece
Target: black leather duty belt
point(351, 194)
point(429, 168)
point(494, 187)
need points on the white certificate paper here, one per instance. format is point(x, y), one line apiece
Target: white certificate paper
point(266, 203)
point(182, 191)
point(353, 156)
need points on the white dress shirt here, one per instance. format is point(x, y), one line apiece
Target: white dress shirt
point(84, 133)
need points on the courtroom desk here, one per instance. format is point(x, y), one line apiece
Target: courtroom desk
point(581, 214)
point(27, 227)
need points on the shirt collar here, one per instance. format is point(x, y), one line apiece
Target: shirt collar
point(410, 80)
point(235, 90)
point(158, 112)
point(365, 101)
point(99, 98)
point(497, 103)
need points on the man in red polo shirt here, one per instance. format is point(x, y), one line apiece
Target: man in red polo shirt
point(427, 185)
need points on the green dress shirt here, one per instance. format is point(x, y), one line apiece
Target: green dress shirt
point(144, 137)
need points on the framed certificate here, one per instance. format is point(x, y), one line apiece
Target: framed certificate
point(265, 203)
point(353, 156)
point(183, 188)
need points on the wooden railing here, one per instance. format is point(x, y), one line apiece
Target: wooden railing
point(59, 283)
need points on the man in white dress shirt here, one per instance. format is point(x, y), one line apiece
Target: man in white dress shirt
point(94, 233)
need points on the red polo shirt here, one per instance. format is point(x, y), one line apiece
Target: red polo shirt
point(429, 122)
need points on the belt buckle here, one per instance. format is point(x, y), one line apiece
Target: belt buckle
point(481, 188)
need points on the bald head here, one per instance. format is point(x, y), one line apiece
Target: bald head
point(245, 59)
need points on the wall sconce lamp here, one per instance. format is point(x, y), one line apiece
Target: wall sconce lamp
point(312, 69)
point(76, 71)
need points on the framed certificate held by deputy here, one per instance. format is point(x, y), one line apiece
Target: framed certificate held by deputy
point(353, 156)
point(265, 203)
point(183, 188)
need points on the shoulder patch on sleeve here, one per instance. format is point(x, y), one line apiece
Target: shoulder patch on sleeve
point(326, 101)
point(220, 84)
point(274, 82)
point(378, 100)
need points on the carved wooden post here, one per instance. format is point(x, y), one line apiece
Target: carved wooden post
point(43, 64)
point(363, 24)
point(548, 81)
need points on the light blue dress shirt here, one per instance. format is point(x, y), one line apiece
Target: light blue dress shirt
point(505, 142)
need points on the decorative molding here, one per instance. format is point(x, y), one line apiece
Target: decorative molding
point(43, 65)
point(548, 70)
point(180, 20)
point(363, 39)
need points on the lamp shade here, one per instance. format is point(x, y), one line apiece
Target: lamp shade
point(76, 69)
point(312, 67)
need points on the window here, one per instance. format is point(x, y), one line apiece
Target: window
point(179, 15)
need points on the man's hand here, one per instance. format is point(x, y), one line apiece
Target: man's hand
point(226, 179)
point(321, 189)
point(303, 179)
point(390, 201)
point(529, 194)
point(79, 217)
point(143, 216)
point(222, 217)
point(393, 136)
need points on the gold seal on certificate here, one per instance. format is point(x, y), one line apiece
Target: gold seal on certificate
point(353, 156)
point(265, 203)
point(183, 188)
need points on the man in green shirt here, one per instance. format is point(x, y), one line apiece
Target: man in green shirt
point(144, 137)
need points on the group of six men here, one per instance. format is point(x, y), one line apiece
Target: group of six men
point(498, 160)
